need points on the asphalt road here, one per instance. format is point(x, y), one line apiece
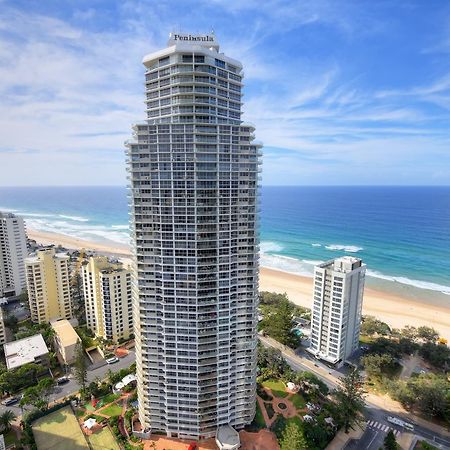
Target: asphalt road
point(376, 424)
point(72, 386)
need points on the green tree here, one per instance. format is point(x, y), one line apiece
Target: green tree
point(350, 399)
point(389, 441)
point(430, 393)
point(384, 345)
point(378, 365)
point(370, 326)
point(6, 419)
point(292, 438)
point(13, 380)
point(409, 332)
point(437, 355)
point(278, 324)
point(12, 323)
point(308, 380)
point(80, 366)
point(46, 387)
point(428, 334)
point(271, 362)
point(39, 395)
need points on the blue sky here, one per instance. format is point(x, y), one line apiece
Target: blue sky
point(351, 92)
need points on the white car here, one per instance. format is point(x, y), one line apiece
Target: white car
point(112, 360)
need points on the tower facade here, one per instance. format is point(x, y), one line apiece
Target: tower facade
point(193, 170)
point(337, 306)
point(13, 251)
point(48, 286)
point(107, 297)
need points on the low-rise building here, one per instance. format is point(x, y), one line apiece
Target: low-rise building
point(66, 339)
point(31, 349)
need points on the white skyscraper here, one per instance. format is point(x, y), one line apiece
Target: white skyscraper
point(336, 311)
point(13, 251)
point(194, 186)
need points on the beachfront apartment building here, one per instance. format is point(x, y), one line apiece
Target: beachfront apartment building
point(194, 175)
point(336, 309)
point(48, 284)
point(107, 297)
point(13, 251)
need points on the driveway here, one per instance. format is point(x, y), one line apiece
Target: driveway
point(72, 386)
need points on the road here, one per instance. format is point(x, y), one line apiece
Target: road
point(376, 424)
point(72, 386)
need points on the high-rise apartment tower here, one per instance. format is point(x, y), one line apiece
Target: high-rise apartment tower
point(336, 311)
point(194, 187)
point(48, 286)
point(107, 297)
point(13, 251)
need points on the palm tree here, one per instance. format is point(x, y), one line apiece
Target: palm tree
point(5, 420)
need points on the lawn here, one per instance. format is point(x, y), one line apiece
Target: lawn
point(102, 440)
point(112, 410)
point(298, 401)
point(277, 387)
point(102, 402)
point(59, 431)
point(108, 399)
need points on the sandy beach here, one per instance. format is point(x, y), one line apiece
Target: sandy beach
point(393, 309)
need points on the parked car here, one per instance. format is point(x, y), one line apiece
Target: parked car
point(10, 401)
point(112, 360)
point(62, 380)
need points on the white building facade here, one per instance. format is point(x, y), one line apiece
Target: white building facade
point(336, 311)
point(108, 298)
point(194, 210)
point(13, 251)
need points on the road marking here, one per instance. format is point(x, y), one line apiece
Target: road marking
point(370, 443)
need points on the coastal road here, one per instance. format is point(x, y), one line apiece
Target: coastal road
point(375, 415)
point(72, 386)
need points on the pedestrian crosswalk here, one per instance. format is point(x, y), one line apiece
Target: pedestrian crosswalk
point(381, 427)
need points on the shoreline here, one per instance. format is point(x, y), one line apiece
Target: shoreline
point(396, 310)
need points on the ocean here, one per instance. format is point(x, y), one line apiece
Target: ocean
point(401, 233)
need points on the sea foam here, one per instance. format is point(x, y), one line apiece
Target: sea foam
point(344, 248)
point(75, 218)
point(270, 247)
point(411, 282)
